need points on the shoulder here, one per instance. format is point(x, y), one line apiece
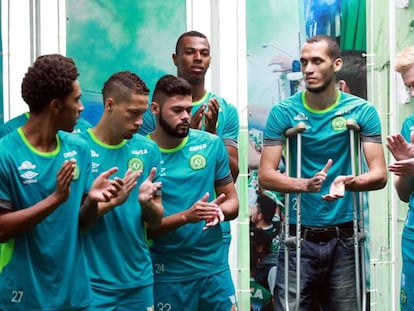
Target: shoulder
point(143, 141)
point(202, 136)
point(74, 140)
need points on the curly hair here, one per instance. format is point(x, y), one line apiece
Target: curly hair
point(49, 77)
point(121, 85)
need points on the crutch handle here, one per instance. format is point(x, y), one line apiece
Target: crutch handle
point(352, 125)
point(291, 242)
point(299, 128)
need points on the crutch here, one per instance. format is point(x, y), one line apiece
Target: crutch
point(292, 242)
point(358, 210)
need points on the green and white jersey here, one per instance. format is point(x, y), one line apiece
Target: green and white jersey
point(227, 121)
point(326, 137)
point(21, 120)
point(187, 172)
point(43, 268)
point(116, 248)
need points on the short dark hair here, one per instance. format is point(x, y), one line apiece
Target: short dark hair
point(267, 207)
point(121, 85)
point(333, 47)
point(50, 77)
point(168, 86)
point(192, 33)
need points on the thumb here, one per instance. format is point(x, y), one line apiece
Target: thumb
point(327, 166)
point(412, 137)
point(220, 199)
point(152, 174)
point(205, 197)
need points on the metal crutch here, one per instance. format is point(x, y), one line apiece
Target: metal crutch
point(358, 210)
point(292, 242)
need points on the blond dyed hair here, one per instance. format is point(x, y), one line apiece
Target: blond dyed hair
point(405, 59)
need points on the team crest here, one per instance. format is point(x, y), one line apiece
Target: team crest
point(76, 172)
point(198, 162)
point(339, 124)
point(135, 164)
point(403, 297)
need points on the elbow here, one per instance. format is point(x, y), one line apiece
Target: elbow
point(5, 236)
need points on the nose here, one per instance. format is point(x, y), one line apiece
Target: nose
point(138, 121)
point(197, 56)
point(308, 68)
point(186, 115)
point(81, 106)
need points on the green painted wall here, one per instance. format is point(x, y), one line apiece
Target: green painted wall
point(380, 34)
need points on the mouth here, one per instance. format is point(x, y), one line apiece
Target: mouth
point(197, 69)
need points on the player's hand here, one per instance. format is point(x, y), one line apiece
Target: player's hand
point(399, 147)
point(197, 117)
point(202, 210)
point(211, 115)
point(129, 182)
point(337, 189)
point(149, 189)
point(64, 177)
point(104, 189)
point(403, 167)
point(219, 217)
point(315, 183)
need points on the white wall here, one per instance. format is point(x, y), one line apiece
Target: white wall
point(29, 29)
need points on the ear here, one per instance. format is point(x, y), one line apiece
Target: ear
point(109, 104)
point(56, 106)
point(155, 108)
point(338, 64)
point(174, 58)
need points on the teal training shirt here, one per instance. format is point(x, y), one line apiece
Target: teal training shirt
point(43, 268)
point(406, 129)
point(21, 120)
point(187, 172)
point(326, 137)
point(116, 248)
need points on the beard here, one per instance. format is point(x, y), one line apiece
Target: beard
point(318, 89)
point(173, 131)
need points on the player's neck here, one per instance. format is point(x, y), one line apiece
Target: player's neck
point(40, 132)
point(106, 134)
point(321, 100)
point(164, 140)
point(198, 91)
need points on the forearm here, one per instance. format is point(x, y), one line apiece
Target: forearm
point(88, 214)
point(404, 186)
point(152, 213)
point(14, 223)
point(276, 181)
point(230, 208)
point(105, 207)
point(168, 224)
point(373, 180)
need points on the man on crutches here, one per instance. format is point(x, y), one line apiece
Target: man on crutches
point(321, 261)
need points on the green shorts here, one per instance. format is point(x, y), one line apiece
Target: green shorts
point(212, 293)
point(139, 299)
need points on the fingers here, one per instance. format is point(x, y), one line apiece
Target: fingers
point(110, 172)
point(220, 199)
point(152, 174)
point(327, 166)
